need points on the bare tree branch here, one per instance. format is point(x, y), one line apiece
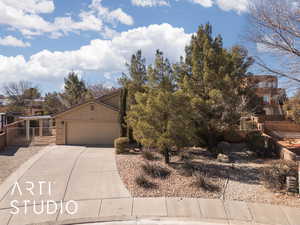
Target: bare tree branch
point(275, 25)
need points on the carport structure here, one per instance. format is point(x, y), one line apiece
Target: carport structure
point(40, 119)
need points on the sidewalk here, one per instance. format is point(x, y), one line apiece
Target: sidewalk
point(209, 210)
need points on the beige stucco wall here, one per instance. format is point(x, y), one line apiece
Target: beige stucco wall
point(83, 113)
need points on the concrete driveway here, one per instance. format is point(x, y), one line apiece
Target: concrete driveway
point(63, 175)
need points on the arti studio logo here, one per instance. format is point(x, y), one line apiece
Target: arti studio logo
point(44, 189)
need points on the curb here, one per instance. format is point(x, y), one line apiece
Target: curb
point(149, 220)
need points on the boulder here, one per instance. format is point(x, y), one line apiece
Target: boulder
point(223, 158)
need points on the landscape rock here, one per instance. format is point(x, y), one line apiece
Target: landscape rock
point(223, 158)
point(251, 154)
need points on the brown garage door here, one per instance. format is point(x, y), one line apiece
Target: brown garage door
point(92, 133)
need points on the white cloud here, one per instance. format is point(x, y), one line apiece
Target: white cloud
point(204, 3)
point(237, 5)
point(117, 15)
point(12, 41)
point(122, 17)
point(31, 6)
point(150, 3)
point(101, 56)
point(26, 16)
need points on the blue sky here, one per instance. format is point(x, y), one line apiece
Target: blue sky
point(41, 40)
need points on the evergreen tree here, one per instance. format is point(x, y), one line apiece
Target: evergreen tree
point(75, 89)
point(161, 116)
point(53, 103)
point(122, 115)
point(213, 77)
point(132, 83)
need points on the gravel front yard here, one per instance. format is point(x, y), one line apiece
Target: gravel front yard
point(13, 157)
point(239, 180)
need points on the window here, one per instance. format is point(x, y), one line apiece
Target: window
point(266, 99)
point(92, 107)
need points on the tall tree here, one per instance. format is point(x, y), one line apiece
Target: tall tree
point(98, 90)
point(160, 116)
point(75, 89)
point(54, 103)
point(32, 93)
point(132, 83)
point(18, 93)
point(123, 112)
point(275, 28)
point(214, 82)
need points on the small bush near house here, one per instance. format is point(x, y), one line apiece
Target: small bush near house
point(187, 168)
point(186, 156)
point(122, 145)
point(216, 151)
point(233, 136)
point(144, 183)
point(263, 146)
point(274, 176)
point(156, 171)
point(149, 155)
point(201, 181)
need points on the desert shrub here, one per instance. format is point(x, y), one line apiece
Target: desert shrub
point(224, 147)
point(149, 155)
point(122, 145)
point(263, 146)
point(201, 181)
point(156, 171)
point(274, 176)
point(187, 168)
point(185, 156)
point(233, 136)
point(216, 151)
point(142, 181)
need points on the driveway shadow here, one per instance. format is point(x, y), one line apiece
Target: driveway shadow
point(10, 151)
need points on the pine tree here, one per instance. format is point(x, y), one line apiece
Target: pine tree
point(160, 117)
point(133, 83)
point(213, 77)
point(75, 89)
point(122, 115)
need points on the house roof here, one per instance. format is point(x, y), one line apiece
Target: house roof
point(108, 96)
point(97, 101)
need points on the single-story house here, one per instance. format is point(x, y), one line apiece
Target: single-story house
point(92, 123)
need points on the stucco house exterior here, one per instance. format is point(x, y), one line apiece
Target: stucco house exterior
point(92, 123)
point(266, 87)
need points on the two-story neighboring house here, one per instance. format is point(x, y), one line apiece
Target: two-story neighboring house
point(266, 87)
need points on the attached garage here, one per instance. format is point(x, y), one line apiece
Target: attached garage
point(91, 123)
point(91, 133)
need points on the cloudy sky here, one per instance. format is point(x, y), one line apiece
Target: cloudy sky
point(42, 40)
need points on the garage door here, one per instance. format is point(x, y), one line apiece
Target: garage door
point(92, 133)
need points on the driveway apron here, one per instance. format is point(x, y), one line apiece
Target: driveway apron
point(77, 173)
